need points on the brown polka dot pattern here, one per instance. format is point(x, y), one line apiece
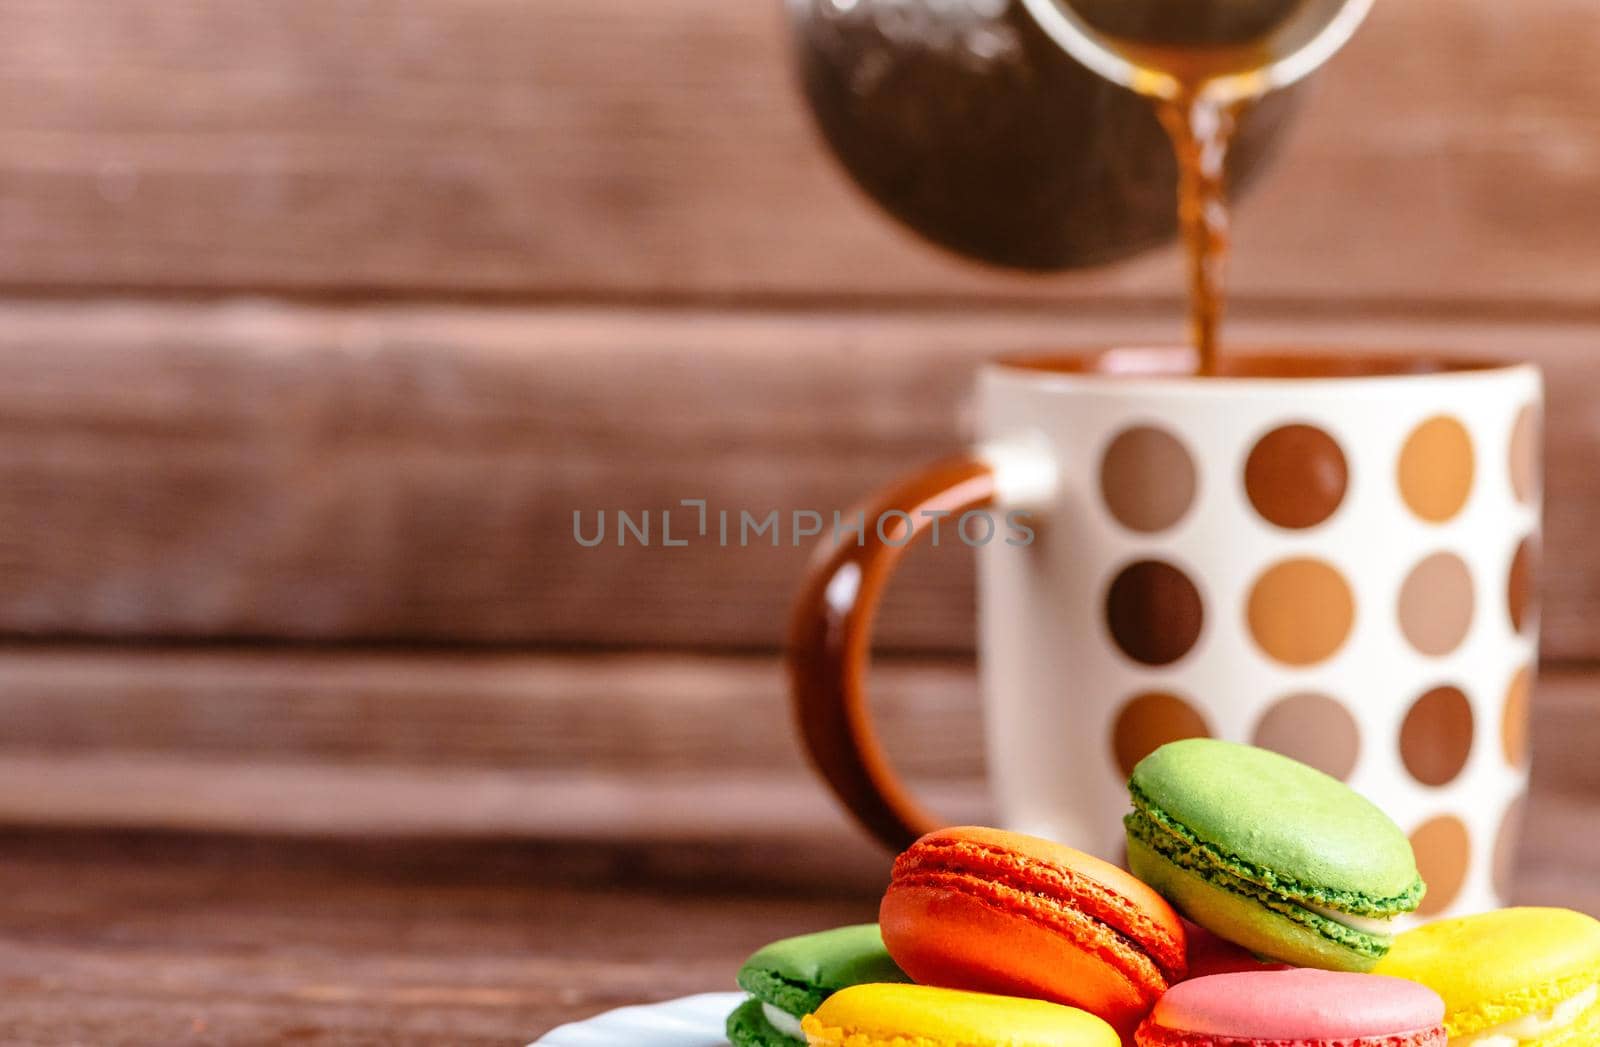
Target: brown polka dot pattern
point(1436, 738)
point(1149, 721)
point(1436, 604)
point(1301, 611)
point(1522, 584)
point(1506, 841)
point(1443, 850)
point(1314, 729)
point(1147, 479)
point(1437, 590)
point(1436, 469)
point(1154, 612)
point(1514, 718)
point(1524, 461)
point(1296, 476)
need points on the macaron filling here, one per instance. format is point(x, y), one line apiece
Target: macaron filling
point(787, 995)
point(1354, 921)
point(748, 1026)
point(1535, 1026)
point(786, 1023)
point(790, 978)
point(1378, 926)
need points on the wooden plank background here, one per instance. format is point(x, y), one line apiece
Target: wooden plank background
point(318, 319)
point(639, 744)
point(607, 149)
point(410, 472)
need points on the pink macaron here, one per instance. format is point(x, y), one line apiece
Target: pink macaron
point(1297, 1008)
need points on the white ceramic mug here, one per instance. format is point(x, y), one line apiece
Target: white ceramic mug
point(1330, 555)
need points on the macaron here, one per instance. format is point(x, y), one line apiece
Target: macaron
point(999, 912)
point(923, 1016)
point(789, 979)
point(1297, 1008)
point(1270, 854)
point(1511, 978)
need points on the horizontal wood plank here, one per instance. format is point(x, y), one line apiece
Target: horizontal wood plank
point(597, 147)
point(635, 747)
point(617, 747)
point(127, 940)
point(533, 715)
point(411, 473)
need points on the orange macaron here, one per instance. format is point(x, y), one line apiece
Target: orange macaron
point(1000, 912)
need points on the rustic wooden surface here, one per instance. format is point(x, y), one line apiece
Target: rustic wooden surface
point(143, 939)
point(410, 472)
point(607, 149)
point(625, 747)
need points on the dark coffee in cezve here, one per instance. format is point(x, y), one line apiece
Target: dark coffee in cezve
point(1192, 43)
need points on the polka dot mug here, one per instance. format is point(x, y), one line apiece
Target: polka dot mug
point(1330, 555)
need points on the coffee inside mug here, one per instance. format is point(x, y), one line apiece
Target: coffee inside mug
point(1169, 362)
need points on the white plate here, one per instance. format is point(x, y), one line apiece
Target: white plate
point(694, 1021)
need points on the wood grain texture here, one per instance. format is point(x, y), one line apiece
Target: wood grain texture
point(410, 473)
point(548, 714)
point(536, 746)
point(617, 747)
point(598, 148)
point(138, 938)
point(128, 940)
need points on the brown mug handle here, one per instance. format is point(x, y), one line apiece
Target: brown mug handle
point(830, 642)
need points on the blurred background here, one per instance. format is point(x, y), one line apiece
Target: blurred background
point(322, 317)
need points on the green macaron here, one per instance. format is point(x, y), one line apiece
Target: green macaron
point(787, 980)
point(1270, 854)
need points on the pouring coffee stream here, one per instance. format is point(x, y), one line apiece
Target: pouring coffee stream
point(1014, 131)
point(1202, 133)
point(1203, 63)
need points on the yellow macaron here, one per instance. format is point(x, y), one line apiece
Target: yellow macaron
point(1528, 977)
point(920, 1015)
